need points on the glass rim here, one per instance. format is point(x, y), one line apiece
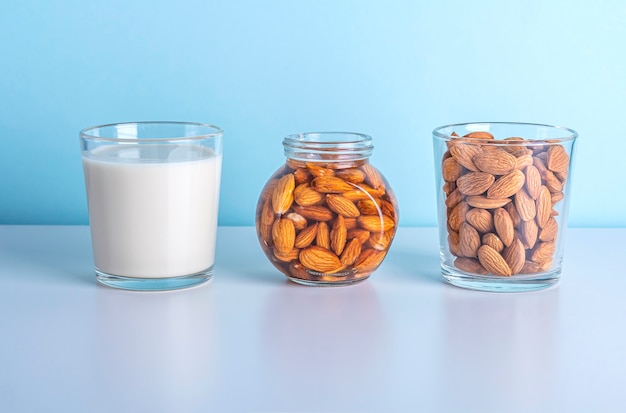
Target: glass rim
point(299, 139)
point(84, 133)
point(571, 133)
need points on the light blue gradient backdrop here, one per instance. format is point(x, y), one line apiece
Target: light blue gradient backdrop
point(262, 70)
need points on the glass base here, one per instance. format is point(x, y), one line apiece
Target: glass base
point(327, 283)
point(154, 284)
point(492, 283)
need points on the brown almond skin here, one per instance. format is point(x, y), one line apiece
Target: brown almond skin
point(504, 226)
point(469, 240)
point(493, 261)
point(451, 170)
point(507, 185)
point(282, 196)
point(463, 154)
point(474, 183)
point(320, 259)
point(479, 201)
point(525, 205)
point(495, 162)
point(544, 206)
point(515, 256)
point(342, 206)
point(557, 159)
point(470, 265)
point(481, 219)
point(493, 241)
point(533, 181)
point(283, 235)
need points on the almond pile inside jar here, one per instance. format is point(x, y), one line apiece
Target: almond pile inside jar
point(500, 197)
point(326, 222)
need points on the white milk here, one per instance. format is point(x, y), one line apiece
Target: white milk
point(153, 219)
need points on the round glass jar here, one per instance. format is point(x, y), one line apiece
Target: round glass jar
point(327, 216)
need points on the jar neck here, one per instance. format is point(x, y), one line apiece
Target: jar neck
point(328, 147)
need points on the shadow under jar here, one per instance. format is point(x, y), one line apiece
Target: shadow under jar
point(327, 216)
point(502, 194)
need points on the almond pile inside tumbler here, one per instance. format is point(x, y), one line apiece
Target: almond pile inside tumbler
point(500, 199)
point(326, 222)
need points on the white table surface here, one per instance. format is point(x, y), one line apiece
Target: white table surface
point(250, 341)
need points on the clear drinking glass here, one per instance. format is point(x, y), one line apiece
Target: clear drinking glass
point(153, 193)
point(503, 195)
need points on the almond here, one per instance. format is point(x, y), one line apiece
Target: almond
point(496, 162)
point(555, 197)
point(544, 206)
point(320, 259)
point(283, 235)
point(287, 257)
point(480, 201)
point(351, 252)
point(360, 234)
point(504, 226)
point(474, 183)
point(470, 265)
point(351, 223)
point(353, 175)
point(372, 176)
point(302, 175)
point(282, 196)
point(469, 240)
point(549, 230)
point(338, 235)
point(454, 198)
point(493, 241)
point(381, 240)
point(479, 135)
point(330, 185)
point(543, 252)
point(306, 236)
point(322, 239)
point(315, 212)
point(523, 161)
point(528, 233)
point(374, 223)
point(342, 206)
point(451, 170)
point(464, 153)
point(369, 206)
point(299, 222)
point(317, 170)
point(267, 213)
point(456, 215)
point(304, 195)
point(369, 260)
point(481, 219)
point(533, 181)
point(510, 208)
point(493, 261)
point(525, 205)
point(530, 267)
point(453, 243)
point(515, 256)
point(507, 185)
point(552, 182)
point(557, 159)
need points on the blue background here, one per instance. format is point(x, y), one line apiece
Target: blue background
point(262, 70)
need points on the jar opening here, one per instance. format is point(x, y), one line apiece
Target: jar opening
point(328, 146)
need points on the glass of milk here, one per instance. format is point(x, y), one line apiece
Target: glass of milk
point(153, 194)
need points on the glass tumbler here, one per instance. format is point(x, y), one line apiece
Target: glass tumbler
point(327, 216)
point(153, 193)
point(502, 195)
